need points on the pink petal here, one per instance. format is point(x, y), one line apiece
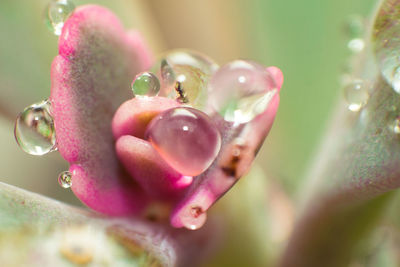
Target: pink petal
point(90, 79)
point(278, 75)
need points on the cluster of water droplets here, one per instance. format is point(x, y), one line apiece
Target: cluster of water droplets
point(355, 90)
point(34, 127)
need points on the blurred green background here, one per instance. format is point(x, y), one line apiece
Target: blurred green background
point(304, 38)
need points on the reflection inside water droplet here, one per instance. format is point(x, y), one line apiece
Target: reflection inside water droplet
point(65, 179)
point(34, 129)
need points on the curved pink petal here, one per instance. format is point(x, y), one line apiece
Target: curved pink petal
point(237, 153)
point(90, 79)
point(278, 75)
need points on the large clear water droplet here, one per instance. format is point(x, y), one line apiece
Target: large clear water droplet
point(57, 12)
point(34, 129)
point(184, 76)
point(146, 84)
point(186, 139)
point(241, 90)
point(65, 179)
point(356, 95)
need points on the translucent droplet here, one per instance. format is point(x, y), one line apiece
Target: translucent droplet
point(57, 12)
point(194, 218)
point(241, 90)
point(356, 45)
point(186, 139)
point(34, 129)
point(184, 76)
point(65, 179)
point(395, 126)
point(146, 83)
point(356, 95)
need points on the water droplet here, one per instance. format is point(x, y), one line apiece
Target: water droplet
point(57, 12)
point(184, 76)
point(65, 179)
point(356, 95)
point(356, 45)
point(195, 218)
point(241, 90)
point(34, 129)
point(186, 139)
point(395, 126)
point(146, 83)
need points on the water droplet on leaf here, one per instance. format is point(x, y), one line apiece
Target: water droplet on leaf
point(186, 139)
point(65, 179)
point(241, 90)
point(356, 95)
point(34, 129)
point(57, 12)
point(184, 76)
point(146, 83)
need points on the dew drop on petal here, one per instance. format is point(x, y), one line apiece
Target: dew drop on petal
point(146, 84)
point(184, 76)
point(57, 12)
point(34, 129)
point(240, 90)
point(356, 95)
point(195, 218)
point(186, 139)
point(65, 179)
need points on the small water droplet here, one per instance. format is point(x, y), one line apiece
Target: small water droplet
point(395, 126)
point(356, 45)
point(146, 83)
point(195, 218)
point(34, 129)
point(57, 12)
point(65, 179)
point(356, 95)
point(240, 91)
